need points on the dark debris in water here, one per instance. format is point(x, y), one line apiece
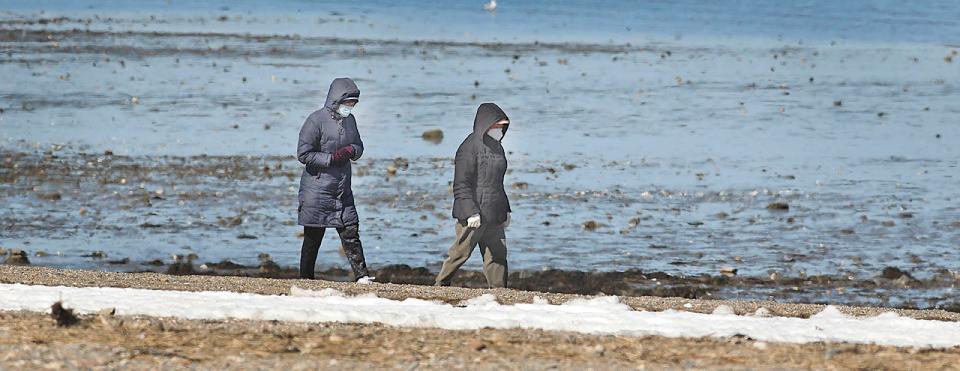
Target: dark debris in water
point(778, 206)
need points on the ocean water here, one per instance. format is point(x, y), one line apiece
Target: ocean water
point(672, 125)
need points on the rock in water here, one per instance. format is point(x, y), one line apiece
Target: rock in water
point(269, 267)
point(63, 317)
point(434, 136)
point(892, 273)
point(778, 206)
point(17, 257)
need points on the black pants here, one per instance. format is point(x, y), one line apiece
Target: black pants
point(349, 237)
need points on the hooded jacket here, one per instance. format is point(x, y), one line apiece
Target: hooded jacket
point(478, 172)
point(325, 197)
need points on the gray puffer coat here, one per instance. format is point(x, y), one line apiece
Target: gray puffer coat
point(479, 169)
point(325, 198)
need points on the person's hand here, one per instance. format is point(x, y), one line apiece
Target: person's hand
point(342, 155)
point(506, 224)
point(473, 221)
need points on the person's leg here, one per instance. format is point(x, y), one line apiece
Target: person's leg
point(353, 249)
point(308, 252)
point(493, 247)
point(459, 252)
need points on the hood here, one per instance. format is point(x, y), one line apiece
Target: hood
point(340, 89)
point(487, 115)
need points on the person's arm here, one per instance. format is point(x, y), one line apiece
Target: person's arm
point(308, 152)
point(465, 179)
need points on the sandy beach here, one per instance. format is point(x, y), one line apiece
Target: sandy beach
point(107, 341)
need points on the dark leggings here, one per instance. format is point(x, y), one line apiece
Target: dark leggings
point(349, 237)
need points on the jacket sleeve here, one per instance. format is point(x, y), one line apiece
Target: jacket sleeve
point(505, 197)
point(357, 144)
point(308, 151)
point(465, 179)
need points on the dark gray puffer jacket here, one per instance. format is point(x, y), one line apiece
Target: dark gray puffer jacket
point(478, 172)
point(325, 198)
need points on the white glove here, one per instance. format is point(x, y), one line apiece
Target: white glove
point(506, 224)
point(473, 221)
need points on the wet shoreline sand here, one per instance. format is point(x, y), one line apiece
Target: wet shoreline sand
point(237, 225)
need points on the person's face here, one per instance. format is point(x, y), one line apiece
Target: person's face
point(500, 124)
point(350, 103)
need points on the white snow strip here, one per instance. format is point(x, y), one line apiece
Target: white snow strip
point(602, 315)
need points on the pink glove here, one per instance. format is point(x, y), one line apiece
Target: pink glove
point(342, 155)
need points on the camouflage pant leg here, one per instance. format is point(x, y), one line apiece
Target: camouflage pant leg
point(353, 249)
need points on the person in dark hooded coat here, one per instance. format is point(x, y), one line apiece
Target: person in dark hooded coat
point(329, 141)
point(480, 202)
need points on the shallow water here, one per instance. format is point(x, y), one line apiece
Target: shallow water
point(672, 127)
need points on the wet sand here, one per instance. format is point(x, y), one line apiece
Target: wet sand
point(227, 215)
point(31, 340)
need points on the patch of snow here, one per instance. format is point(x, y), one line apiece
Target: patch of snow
point(296, 291)
point(482, 301)
point(828, 313)
point(366, 280)
point(723, 310)
point(602, 315)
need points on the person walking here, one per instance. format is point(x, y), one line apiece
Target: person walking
point(329, 141)
point(480, 203)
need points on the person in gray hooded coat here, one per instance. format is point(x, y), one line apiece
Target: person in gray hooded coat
point(480, 202)
point(329, 141)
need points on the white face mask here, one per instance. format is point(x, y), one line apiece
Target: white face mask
point(495, 133)
point(344, 110)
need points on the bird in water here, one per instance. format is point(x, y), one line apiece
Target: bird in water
point(491, 6)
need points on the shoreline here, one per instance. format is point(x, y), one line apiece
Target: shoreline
point(453, 295)
point(140, 342)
